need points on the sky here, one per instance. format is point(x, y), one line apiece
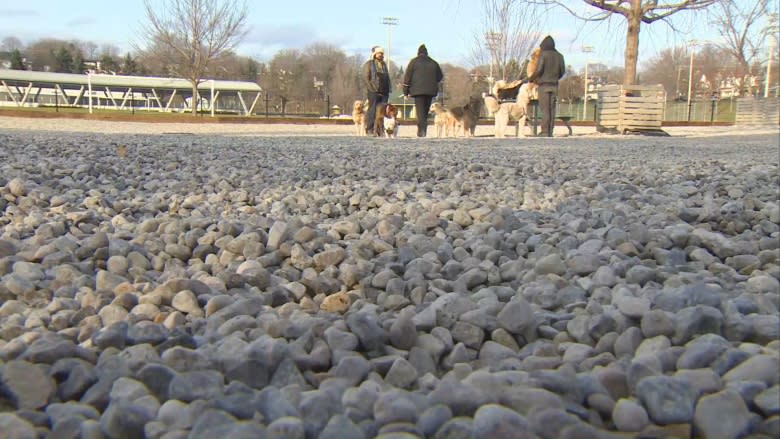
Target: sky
point(446, 27)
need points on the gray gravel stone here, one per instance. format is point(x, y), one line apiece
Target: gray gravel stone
point(14, 427)
point(175, 300)
point(667, 400)
point(496, 421)
point(26, 384)
point(721, 415)
point(629, 416)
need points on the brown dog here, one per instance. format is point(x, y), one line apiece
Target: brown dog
point(386, 121)
point(533, 63)
point(465, 117)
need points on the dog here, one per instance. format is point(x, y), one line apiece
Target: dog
point(499, 102)
point(533, 63)
point(440, 119)
point(508, 101)
point(386, 121)
point(465, 117)
point(359, 117)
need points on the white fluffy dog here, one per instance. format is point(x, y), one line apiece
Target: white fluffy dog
point(504, 111)
point(390, 126)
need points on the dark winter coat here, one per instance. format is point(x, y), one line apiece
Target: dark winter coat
point(551, 64)
point(423, 75)
point(375, 77)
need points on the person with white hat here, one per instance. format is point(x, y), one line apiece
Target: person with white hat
point(376, 77)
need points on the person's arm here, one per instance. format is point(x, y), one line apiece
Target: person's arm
point(562, 69)
point(367, 75)
point(408, 77)
point(439, 73)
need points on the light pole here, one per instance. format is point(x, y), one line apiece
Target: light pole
point(772, 30)
point(586, 50)
point(677, 87)
point(691, 43)
point(492, 40)
point(389, 22)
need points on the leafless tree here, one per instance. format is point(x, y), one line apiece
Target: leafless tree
point(571, 86)
point(458, 85)
point(40, 54)
point(196, 32)
point(89, 48)
point(635, 13)
point(667, 68)
point(345, 85)
point(740, 24)
point(109, 49)
point(509, 33)
point(10, 44)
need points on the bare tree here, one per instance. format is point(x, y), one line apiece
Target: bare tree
point(667, 68)
point(458, 85)
point(346, 86)
point(88, 48)
point(740, 25)
point(196, 32)
point(10, 44)
point(109, 49)
point(635, 13)
point(509, 33)
point(40, 54)
point(570, 87)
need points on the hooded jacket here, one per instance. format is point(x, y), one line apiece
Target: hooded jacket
point(423, 75)
point(551, 66)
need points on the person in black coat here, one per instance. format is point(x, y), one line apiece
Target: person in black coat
point(421, 81)
point(549, 71)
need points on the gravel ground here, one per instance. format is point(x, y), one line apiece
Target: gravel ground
point(296, 282)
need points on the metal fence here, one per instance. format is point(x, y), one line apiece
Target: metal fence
point(723, 110)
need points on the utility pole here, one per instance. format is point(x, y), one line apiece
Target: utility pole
point(492, 40)
point(586, 50)
point(772, 43)
point(389, 22)
point(692, 43)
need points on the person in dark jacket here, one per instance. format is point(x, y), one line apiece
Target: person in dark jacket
point(421, 81)
point(376, 78)
point(549, 71)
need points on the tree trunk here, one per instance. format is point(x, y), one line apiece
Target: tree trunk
point(195, 98)
point(632, 42)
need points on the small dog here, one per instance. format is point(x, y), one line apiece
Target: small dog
point(359, 117)
point(465, 117)
point(441, 119)
point(386, 121)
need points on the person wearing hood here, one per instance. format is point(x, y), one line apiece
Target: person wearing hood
point(376, 78)
point(421, 81)
point(547, 74)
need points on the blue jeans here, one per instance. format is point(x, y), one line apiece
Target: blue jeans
point(373, 99)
